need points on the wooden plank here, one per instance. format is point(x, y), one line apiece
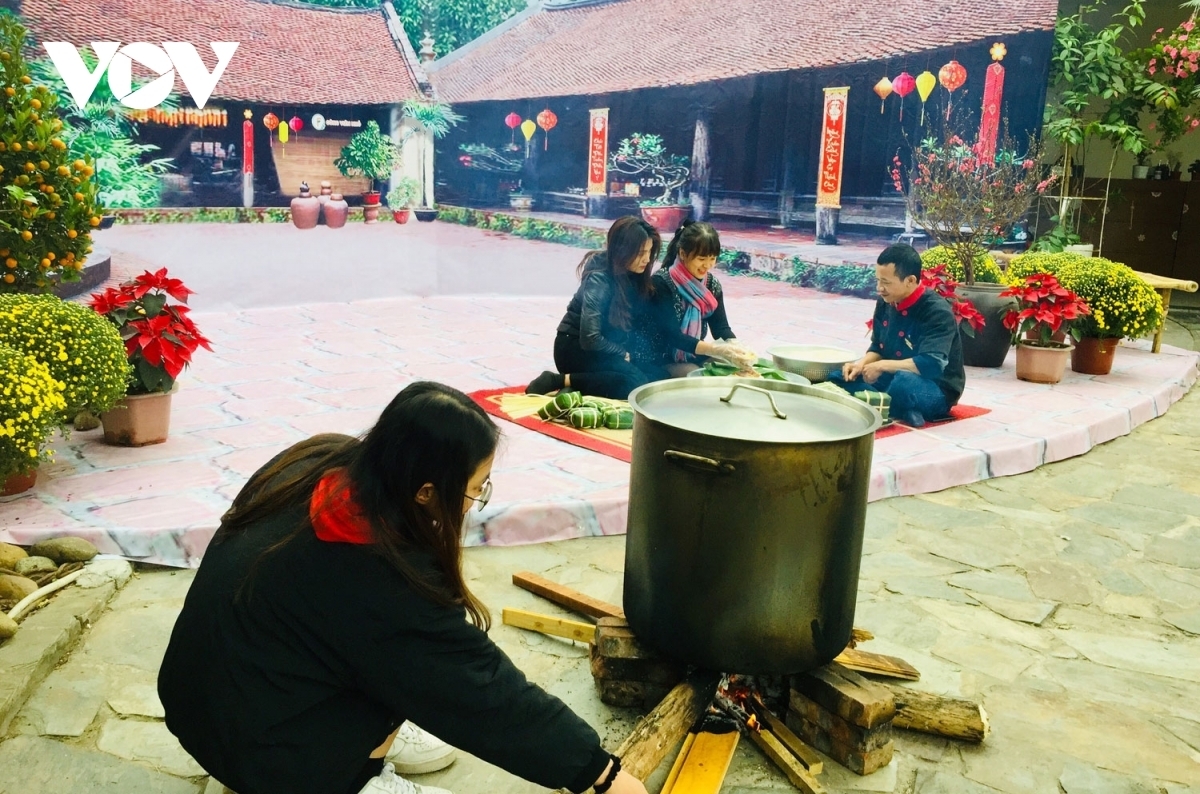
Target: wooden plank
point(858, 761)
point(673, 775)
point(847, 694)
point(664, 672)
point(708, 759)
point(566, 597)
point(941, 716)
point(859, 635)
point(840, 730)
point(791, 766)
point(664, 727)
point(877, 664)
point(806, 755)
point(555, 627)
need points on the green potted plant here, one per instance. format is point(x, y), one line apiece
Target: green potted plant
point(643, 155)
point(160, 339)
point(405, 193)
point(1142, 169)
point(965, 200)
point(434, 119)
point(31, 405)
point(369, 154)
point(1045, 312)
point(1123, 305)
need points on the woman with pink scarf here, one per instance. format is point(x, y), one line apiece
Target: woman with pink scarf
point(686, 296)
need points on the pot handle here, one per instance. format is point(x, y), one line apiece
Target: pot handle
point(729, 397)
point(698, 462)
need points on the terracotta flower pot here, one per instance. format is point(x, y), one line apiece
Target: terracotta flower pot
point(371, 207)
point(400, 216)
point(17, 483)
point(336, 211)
point(666, 218)
point(138, 420)
point(306, 208)
point(1094, 356)
point(1042, 364)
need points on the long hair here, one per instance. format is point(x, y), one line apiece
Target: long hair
point(623, 245)
point(694, 238)
point(429, 433)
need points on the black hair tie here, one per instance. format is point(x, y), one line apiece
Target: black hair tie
point(611, 777)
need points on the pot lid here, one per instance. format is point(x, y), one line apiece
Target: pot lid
point(766, 411)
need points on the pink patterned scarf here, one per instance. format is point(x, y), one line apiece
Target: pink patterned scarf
point(699, 302)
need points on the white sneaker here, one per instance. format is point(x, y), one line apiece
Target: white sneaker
point(415, 752)
point(388, 782)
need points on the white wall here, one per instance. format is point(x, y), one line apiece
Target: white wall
point(405, 130)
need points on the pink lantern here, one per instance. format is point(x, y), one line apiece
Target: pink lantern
point(512, 121)
point(903, 85)
point(295, 123)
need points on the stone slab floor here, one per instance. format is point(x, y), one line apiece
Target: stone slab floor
point(1067, 600)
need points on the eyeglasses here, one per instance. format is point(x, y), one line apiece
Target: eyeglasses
point(484, 497)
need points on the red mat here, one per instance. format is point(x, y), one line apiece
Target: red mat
point(617, 443)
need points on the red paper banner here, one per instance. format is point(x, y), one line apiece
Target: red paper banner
point(833, 142)
point(989, 122)
point(247, 147)
point(598, 153)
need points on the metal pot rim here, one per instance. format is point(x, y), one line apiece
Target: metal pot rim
point(874, 420)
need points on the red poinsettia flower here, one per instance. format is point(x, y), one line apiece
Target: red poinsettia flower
point(1044, 308)
point(110, 301)
point(160, 281)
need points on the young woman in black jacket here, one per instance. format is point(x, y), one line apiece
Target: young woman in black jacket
point(687, 300)
point(593, 348)
point(331, 608)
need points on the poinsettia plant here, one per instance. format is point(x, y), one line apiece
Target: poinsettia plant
point(1045, 308)
point(160, 337)
point(938, 279)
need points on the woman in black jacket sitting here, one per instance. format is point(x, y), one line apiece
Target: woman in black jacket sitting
point(330, 608)
point(687, 301)
point(593, 348)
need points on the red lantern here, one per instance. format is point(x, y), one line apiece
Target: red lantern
point(547, 120)
point(271, 121)
point(903, 85)
point(295, 124)
point(952, 76)
point(512, 121)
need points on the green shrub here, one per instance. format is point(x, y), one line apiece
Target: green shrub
point(82, 349)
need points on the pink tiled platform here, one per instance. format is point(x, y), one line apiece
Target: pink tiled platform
point(281, 374)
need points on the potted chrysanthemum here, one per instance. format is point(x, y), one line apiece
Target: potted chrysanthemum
point(31, 406)
point(160, 339)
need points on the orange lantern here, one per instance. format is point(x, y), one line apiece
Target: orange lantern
point(547, 120)
point(271, 121)
point(952, 76)
point(884, 89)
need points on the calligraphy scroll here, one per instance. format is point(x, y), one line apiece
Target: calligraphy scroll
point(833, 142)
point(598, 153)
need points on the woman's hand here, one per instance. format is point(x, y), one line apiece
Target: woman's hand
point(624, 784)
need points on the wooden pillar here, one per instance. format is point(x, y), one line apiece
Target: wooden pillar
point(701, 176)
point(827, 223)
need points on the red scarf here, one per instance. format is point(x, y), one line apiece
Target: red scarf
point(335, 516)
point(908, 302)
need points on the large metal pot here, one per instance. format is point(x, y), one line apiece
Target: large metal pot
point(747, 502)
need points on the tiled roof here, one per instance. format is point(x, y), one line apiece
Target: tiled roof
point(630, 44)
point(287, 54)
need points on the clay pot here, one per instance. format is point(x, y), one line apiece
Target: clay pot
point(306, 208)
point(667, 218)
point(400, 216)
point(336, 211)
point(326, 194)
point(989, 346)
point(1042, 364)
point(1094, 356)
point(18, 483)
point(139, 420)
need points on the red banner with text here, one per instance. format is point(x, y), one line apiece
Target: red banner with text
point(598, 153)
point(833, 143)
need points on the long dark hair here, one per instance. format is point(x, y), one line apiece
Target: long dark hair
point(429, 433)
point(694, 238)
point(624, 244)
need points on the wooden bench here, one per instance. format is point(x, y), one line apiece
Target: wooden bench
point(1164, 286)
point(574, 203)
point(756, 205)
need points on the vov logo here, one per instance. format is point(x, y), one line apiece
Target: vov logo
point(165, 61)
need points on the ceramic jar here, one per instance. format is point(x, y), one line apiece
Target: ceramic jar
point(336, 211)
point(306, 208)
point(326, 193)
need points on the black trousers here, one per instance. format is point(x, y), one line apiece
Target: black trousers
point(601, 374)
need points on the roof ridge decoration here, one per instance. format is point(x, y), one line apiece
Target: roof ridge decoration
point(302, 6)
point(561, 5)
point(400, 38)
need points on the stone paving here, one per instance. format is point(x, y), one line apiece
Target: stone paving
point(1067, 600)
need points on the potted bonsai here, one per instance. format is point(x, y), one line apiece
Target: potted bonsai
point(1123, 305)
point(645, 156)
point(1142, 169)
point(405, 193)
point(1045, 308)
point(31, 406)
point(369, 154)
point(160, 339)
point(434, 119)
point(965, 199)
